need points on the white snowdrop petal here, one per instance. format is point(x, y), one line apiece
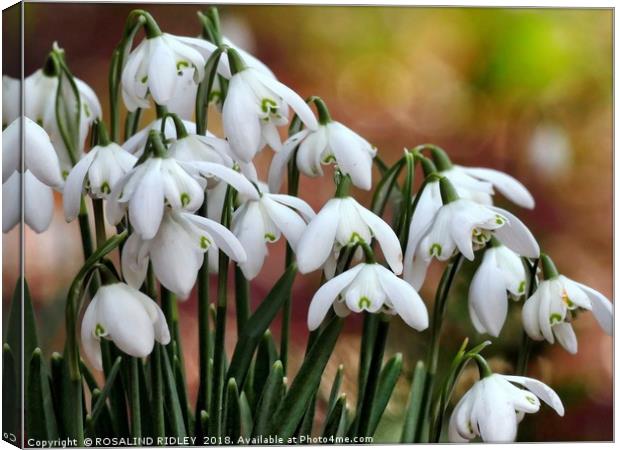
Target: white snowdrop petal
point(540, 390)
point(162, 71)
point(90, 344)
point(516, 236)
point(11, 149)
point(38, 203)
point(487, 295)
point(285, 219)
point(74, 185)
point(317, 241)
point(280, 160)
point(11, 202)
point(405, 300)
point(296, 203)
point(240, 120)
point(383, 233)
point(325, 296)
point(223, 237)
point(601, 308)
point(566, 337)
point(134, 260)
point(509, 186)
point(146, 206)
point(248, 226)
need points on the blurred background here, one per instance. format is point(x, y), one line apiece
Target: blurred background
point(526, 91)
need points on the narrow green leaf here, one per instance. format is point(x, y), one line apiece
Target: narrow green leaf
point(157, 397)
point(134, 398)
point(232, 414)
point(11, 408)
point(103, 426)
point(413, 408)
point(334, 393)
point(107, 388)
point(269, 401)
point(335, 424)
point(146, 386)
point(385, 387)
point(384, 188)
point(182, 391)
point(172, 404)
point(305, 427)
point(257, 325)
point(86, 373)
point(40, 416)
point(57, 365)
point(116, 393)
point(14, 327)
point(204, 422)
point(307, 381)
point(266, 355)
point(247, 422)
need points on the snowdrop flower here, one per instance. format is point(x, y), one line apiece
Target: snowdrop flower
point(368, 287)
point(500, 275)
point(145, 190)
point(255, 105)
point(39, 155)
point(177, 251)
point(183, 101)
point(96, 173)
point(260, 221)
point(465, 226)
point(38, 202)
point(494, 406)
point(156, 66)
point(331, 142)
point(136, 143)
point(127, 317)
point(42, 173)
point(547, 314)
point(477, 184)
point(40, 106)
point(344, 222)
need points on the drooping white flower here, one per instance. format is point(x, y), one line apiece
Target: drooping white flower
point(263, 220)
point(255, 106)
point(155, 66)
point(500, 275)
point(331, 142)
point(464, 226)
point(40, 106)
point(145, 190)
point(96, 173)
point(177, 251)
point(344, 222)
point(127, 317)
point(39, 155)
point(547, 314)
point(38, 202)
point(42, 173)
point(372, 288)
point(136, 143)
point(477, 183)
point(494, 406)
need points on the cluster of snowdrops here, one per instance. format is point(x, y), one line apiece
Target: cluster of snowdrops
point(185, 202)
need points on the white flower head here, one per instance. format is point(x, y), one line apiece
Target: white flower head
point(40, 105)
point(500, 275)
point(263, 220)
point(11, 99)
point(127, 317)
point(38, 202)
point(177, 251)
point(344, 222)
point(368, 287)
point(479, 184)
point(494, 406)
point(136, 143)
point(547, 314)
point(157, 65)
point(147, 188)
point(96, 173)
point(39, 155)
point(41, 174)
point(255, 105)
point(465, 226)
point(331, 142)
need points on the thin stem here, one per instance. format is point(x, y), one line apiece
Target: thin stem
point(204, 334)
point(99, 221)
point(526, 343)
point(134, 402)
point(373, 376)
point(220, 327)
point(293, 189)
point(242, 299)
point(439, 309)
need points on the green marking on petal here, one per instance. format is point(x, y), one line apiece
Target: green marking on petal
point(39, 121)
point(521, 289)
point(105, 188)
point(328, 159)
point(555, 318)
point(435, 250)
point(530, 399)
point(144, 79)
point(185, 199)
point(499, 220)
point(182, 65)
point(268, 105)
point(205, 242)
point(356, 238)
point(364, 303)
point(99, 330)
point(270, 237)
point(65, 174)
